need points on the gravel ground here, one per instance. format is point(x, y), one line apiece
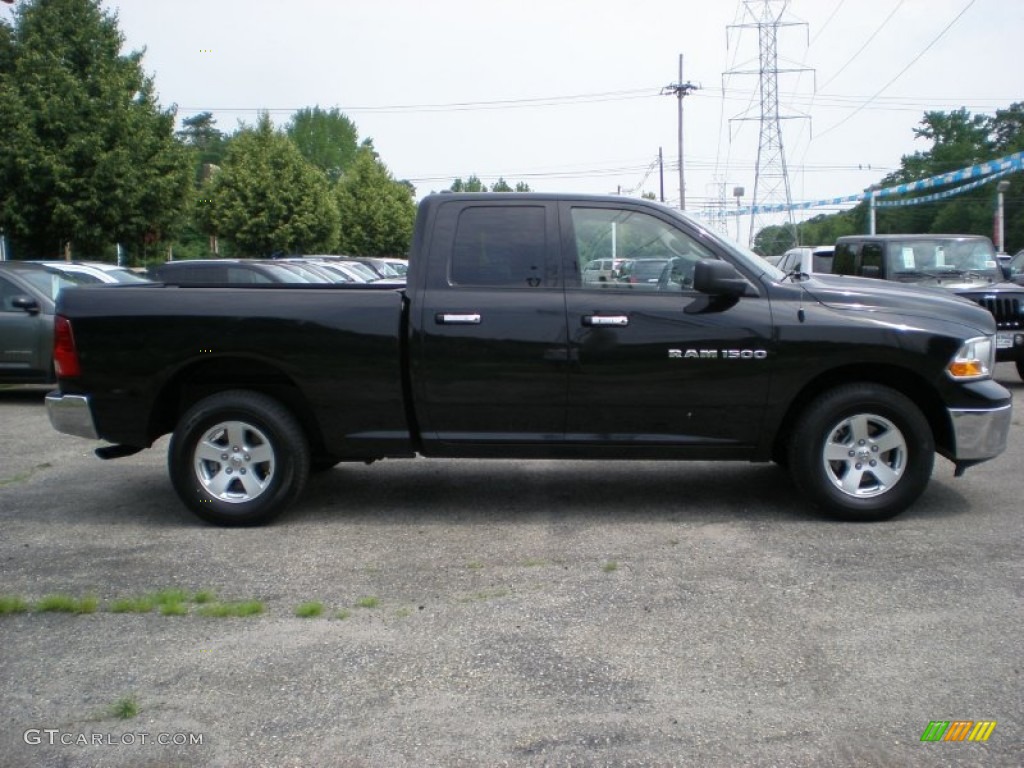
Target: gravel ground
point(483, 613)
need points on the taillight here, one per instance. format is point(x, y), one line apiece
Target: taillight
point(65, 356)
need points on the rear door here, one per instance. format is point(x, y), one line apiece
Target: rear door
point(25, 339)
point(653, 363)
point(489, 347)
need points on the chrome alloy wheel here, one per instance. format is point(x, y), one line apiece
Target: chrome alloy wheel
point(865, 455)
point(234, 461)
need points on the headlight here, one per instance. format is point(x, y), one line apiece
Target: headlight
point(974, 360)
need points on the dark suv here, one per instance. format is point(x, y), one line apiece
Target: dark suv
point(964, 264)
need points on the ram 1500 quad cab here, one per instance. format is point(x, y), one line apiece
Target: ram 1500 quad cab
point(498, 347)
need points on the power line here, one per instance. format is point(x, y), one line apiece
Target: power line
point(903, 71)
point(867, 42)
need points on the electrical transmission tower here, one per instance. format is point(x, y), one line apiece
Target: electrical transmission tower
point(771, 180)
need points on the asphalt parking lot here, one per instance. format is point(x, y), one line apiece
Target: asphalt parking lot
point(482, 613)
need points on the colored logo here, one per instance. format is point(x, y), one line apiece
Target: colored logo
point(958, 730)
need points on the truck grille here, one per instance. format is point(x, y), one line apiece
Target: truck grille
point(1005, 310)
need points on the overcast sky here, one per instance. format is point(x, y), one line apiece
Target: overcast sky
point(564, 94)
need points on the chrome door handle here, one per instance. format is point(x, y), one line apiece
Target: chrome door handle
point(618, 320)
point(461, 318)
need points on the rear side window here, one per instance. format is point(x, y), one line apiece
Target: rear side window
point(844, 262)
point(499, 247)
point(245, 276)
point(871, 255)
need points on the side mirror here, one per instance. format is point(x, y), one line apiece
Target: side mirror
point(718, 278)
point(871, 271)
point(26, 303)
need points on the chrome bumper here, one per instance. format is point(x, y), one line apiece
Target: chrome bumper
point(980, 434)
point(71, 414)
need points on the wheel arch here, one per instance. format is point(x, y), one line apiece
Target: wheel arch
point(203, 378)
point(907, 382)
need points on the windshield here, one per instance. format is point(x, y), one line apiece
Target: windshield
point(126, 276)
point(939, 257)
point(50, 282)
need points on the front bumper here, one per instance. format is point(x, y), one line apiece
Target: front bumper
point(979, 434)
point(71, 414)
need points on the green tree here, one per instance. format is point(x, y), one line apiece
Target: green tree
point(266, 198)
point(377, 212)
point(327, 139)
point(88, 158)
point(472, 184)
point(774, 240)
point(208, 143)
point(957, 139)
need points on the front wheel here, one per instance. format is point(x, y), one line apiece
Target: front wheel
point(862, 452)
point(238, 458)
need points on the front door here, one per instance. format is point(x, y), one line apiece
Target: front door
point(654, 362)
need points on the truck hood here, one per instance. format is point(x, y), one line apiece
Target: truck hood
point(869, 294)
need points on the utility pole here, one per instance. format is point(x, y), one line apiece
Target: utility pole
point(680, 90)
point(661, 175)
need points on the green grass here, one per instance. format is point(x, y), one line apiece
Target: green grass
point(309, 610)
point(66, 604)
point(610, 566)
point(125, 708)
point(141, 604)
point(225, 610)
point(12, 604)
point(171, 596)
point(474, 565)
point(174, 609)
point(534, 562)
point(367, 602)
point(343, 614)
point(204, 596)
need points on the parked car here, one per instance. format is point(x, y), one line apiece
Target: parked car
point(601, 270)
point(645, 272)
point(225, 272)
point(807, 259)
point(95, 271)
point(1015, 268)
point(401, 266)
point(380, 267)
point(962, 264)
point(28, 294)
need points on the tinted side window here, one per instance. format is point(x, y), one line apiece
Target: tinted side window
point(246, 276)
point(844, 262)
point(871, 256)
point(499, 247)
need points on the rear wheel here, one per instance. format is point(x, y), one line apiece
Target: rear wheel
point(862, 452)
point(238, 458)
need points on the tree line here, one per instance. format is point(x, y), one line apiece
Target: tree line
point(89, 159)
point(957, 140)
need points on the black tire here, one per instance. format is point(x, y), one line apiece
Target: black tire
point(862, 452)
point(1020, 367)
point(238, 458)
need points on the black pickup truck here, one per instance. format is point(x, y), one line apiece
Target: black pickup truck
point(498, 347)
